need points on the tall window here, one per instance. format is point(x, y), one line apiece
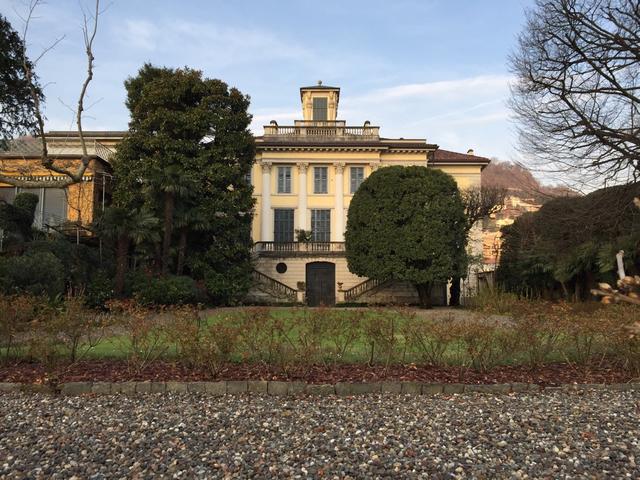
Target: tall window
point(320, 225)
point(283, 225)
point(284, 179)
point(320, 109)
point(52, 206)
point(357, 177)
point(320, 179)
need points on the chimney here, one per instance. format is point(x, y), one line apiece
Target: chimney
point(470, 152)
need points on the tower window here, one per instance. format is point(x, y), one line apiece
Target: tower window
point(320, 109)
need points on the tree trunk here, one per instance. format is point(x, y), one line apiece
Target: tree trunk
point(122, 251)
point(169, 204)
point(454, 292)
point(424, 293)
point(182, 249)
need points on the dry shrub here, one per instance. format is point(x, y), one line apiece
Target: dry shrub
point(382, 332)
point(16, 314)
point(431, 338)
point(487, 343)
point(199, 345)
point(495, 301)
point(219, 345)
point(586, 328)
point(145, 334)
point(184, 331)
point(343, 329)
point(77, 328)
point(538, 332)
point(267, 339)
point(312, 328)
point(623, 346)
point(69, 329)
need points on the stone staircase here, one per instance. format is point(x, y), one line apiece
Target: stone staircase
point(266, 289)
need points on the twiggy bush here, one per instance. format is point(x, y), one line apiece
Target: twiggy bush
point(16, 314)
point(312, 327)
point(623, 342)
point(344, 329)
point(199, 345)
point(586, 329)
point(495, 301)
point(538, 335)
point(77, 328)
point(219, 345)
point(382, 333)
point(430, 339)
point(267, 339)
point(185, 332)
point(145, 338)
point(487, 343)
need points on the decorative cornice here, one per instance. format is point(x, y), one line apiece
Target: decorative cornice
point(49, 178)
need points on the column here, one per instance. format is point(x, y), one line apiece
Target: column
point(338, 235)
point(266, 224)
point(302, 196)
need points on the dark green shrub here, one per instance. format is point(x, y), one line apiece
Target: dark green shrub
point(39, 273)
point(80, 262)
point(169, 290)
point(100, 290)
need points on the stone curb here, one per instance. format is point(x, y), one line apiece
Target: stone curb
point(262, 387)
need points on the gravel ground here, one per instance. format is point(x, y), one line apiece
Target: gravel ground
point(544, 435)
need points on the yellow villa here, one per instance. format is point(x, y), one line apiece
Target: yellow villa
point(304, 177)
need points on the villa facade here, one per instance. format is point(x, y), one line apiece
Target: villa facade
point(304, 178)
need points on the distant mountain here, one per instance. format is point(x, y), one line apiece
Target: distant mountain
point(521, 182)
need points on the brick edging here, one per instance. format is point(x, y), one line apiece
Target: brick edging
point(292, 388)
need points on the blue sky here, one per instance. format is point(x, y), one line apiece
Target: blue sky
point(433, 69)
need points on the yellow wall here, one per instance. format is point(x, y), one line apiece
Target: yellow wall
point(80, 196)
point(465, 175)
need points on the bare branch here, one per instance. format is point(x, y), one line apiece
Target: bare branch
point(72, 176)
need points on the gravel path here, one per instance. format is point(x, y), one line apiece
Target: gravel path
point(545, 435)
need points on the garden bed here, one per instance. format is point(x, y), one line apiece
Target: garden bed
point(120, 371)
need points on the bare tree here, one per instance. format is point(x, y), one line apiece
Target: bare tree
point(479, 203)
point(576, 96)
point(71, 175)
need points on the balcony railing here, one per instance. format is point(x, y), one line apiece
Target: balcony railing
point(329, 131)
point(292, 248)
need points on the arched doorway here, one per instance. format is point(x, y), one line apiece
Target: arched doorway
point(321, 283)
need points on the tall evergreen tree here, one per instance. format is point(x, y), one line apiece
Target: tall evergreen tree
point(186, 159)
point(16, 102)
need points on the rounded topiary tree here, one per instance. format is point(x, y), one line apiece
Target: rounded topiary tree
point(407, 223)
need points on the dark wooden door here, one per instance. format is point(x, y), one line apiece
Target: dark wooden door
point(321, 283)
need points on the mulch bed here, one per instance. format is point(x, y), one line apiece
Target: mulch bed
point(119, 371)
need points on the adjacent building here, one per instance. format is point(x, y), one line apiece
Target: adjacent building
point(70, 209)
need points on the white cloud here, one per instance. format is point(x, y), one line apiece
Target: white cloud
point(457, 88)
point(207, 42)
point(139, 34)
